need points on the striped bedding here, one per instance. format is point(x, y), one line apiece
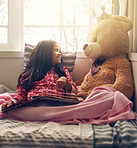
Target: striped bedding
point(19, 134)
point(123, 134)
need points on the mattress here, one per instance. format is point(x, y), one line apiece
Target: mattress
point(19, 134)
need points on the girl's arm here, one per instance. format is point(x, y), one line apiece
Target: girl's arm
point(22, 94)
point(63, 83)
point(70, 85)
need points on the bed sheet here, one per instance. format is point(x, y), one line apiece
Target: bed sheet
point(19, 134)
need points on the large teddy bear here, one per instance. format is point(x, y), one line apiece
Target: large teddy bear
point(107, 48)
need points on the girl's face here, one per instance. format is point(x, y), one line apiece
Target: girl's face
point(56, 54)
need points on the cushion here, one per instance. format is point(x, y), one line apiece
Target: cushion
point(27, 51)
point(68, 58)
point(4, 89)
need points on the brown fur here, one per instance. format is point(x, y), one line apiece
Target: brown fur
point(116, 70)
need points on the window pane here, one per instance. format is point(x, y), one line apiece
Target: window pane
point(3, 35)
point(75, 12)
point(74, 39)
point(33, 35)
point(66, 21)
point(41, 12)
point(3, 12)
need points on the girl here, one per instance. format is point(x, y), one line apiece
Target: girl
point(43, 72)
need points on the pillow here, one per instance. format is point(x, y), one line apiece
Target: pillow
point(4, 89)
point(27, 51)
point(68, 58)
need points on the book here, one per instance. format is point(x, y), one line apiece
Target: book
point(50, 99)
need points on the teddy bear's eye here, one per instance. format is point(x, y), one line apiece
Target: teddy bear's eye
point(95, 39)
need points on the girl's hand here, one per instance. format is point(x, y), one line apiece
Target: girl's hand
point(61, 83)
point(9, 103)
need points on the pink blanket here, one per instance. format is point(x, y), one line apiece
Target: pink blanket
point(104, 105)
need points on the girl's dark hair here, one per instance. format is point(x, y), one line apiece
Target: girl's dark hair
point(39, 64)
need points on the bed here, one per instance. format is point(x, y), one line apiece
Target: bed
point(14, 133)
point(20, 134)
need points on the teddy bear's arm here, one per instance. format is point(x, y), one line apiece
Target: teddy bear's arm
point(78, 82)
point(81, 93)
point(124, 78)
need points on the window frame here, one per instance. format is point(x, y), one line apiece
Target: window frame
point(14, 47)
point(14, 27)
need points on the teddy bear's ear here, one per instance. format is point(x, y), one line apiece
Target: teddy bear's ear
point(125, 22)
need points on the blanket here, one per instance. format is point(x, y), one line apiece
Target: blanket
point(103, 106)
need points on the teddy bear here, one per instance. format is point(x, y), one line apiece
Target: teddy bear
point(107, 47)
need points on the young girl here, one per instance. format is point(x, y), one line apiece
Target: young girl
point(43, 72)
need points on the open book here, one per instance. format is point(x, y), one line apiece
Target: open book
point(51, 99)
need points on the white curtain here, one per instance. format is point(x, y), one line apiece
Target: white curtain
point(128, 8)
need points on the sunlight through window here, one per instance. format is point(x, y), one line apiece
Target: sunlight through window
point(66, 21)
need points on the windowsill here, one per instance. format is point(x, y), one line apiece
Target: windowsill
point(19, 54)
point(132, 56)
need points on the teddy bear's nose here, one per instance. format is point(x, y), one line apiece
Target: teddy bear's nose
point(85, 46)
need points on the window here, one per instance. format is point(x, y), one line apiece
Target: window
point(10, 25)
point(4, 21)
point(67, 21)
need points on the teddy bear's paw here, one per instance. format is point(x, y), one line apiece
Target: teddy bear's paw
point(82, 94)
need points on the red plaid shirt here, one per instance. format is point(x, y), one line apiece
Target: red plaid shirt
point(47, 83)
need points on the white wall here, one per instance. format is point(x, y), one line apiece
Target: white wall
point(11, 67)
point(82, 66)
point(133, 58)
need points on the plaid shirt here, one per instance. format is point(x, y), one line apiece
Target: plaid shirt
point(48, 83)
